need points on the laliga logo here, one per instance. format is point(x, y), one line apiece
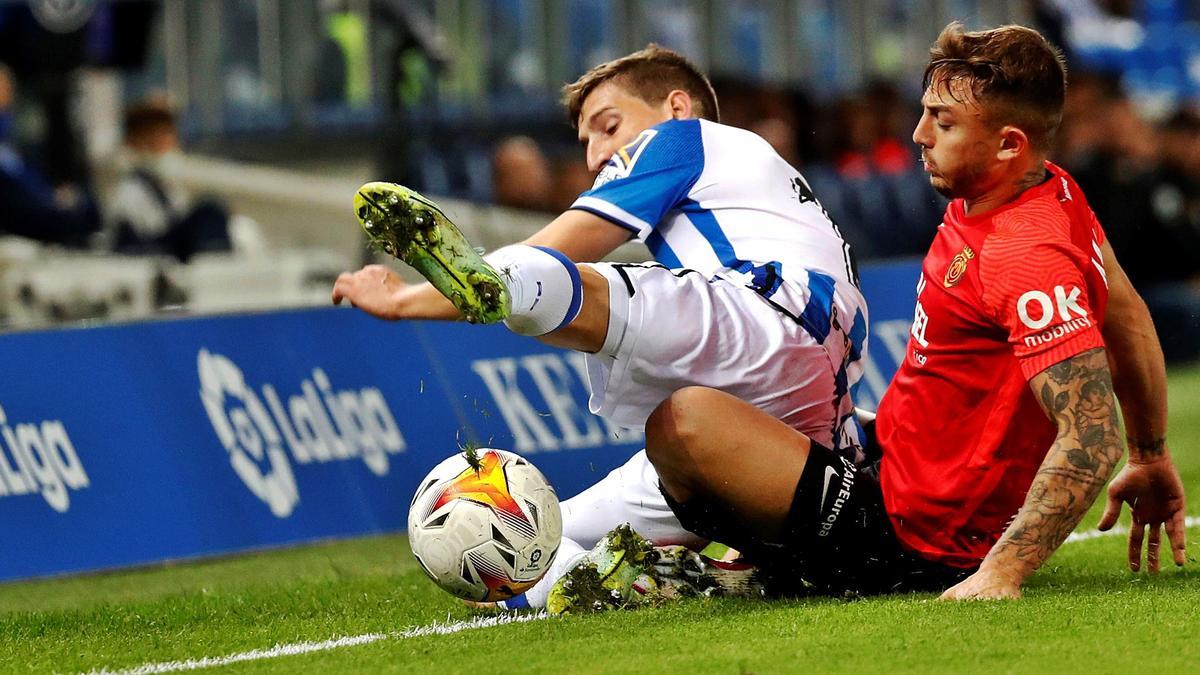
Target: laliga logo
point(40, 460)
point(320, 425)
point(247, 433)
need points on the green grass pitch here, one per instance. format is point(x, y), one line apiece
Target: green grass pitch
point(1083, 612)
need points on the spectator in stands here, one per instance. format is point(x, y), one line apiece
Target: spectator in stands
point(1181, 169)
point(876, 190)
point(150, 212)
point(1141, 182)
point(740, 99)
point(1116, 167)
point(1083, 130)
point(1172, 289)
point(854, 131)
point(571, 178)
point(892, 150)
point(521, 175)
point(29, 205)
point(870, 134)
point(784, 117)
point(781, 135)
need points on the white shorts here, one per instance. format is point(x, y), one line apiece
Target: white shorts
point(670, 329)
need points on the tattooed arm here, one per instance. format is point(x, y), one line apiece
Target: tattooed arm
point(1149, 483)
point(1077, 395)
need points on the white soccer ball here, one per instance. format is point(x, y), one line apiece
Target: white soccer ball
point(485, 532)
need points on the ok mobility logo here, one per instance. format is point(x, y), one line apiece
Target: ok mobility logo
point(319, 424)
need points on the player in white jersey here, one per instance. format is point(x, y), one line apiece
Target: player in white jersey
point(754, 291)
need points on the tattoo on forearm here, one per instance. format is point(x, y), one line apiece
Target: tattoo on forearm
point(1148, 449)
point(1078, 395)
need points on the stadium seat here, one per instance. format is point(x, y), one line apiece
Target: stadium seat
point(288, 278)
point(54, 287)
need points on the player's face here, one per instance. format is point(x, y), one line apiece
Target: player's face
point(611, 118)
point(957, 145)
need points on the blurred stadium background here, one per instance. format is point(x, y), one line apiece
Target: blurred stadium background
point(281, 108)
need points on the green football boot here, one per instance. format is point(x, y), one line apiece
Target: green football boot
point(624, 571)
point(403, 224)
point(618, 573)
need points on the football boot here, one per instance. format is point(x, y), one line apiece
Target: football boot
point(405, 225)
point(625, 571)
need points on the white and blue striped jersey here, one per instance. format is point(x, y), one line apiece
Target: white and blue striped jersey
point(720, 200)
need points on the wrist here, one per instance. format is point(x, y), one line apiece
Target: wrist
point(1135, 458)
point(1014, 571)
point(399, 304)
point(1142, 451)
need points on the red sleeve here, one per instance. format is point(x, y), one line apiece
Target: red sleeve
point(1036, 290)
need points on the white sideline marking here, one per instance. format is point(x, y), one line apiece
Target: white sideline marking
point(432, 629)
point(1190, 521)
point(309, 647)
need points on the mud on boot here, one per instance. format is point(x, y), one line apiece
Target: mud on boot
point(406, 225)
point(618, 573)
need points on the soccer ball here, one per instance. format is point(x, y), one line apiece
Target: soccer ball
point(485, 525)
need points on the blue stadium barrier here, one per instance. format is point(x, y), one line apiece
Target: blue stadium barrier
point(182, 438)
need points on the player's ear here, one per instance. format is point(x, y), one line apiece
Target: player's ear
point(1013, 143)
point(680, 103)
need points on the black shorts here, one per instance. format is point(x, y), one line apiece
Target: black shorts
point(839, 539)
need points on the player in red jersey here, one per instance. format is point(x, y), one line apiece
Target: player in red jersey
point(1000, 427)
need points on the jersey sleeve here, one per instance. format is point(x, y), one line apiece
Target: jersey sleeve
point(647, 178)
point(1037, 291)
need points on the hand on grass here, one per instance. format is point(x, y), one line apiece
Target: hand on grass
point(373, 289)
point(984, 584)
point(1155, 497)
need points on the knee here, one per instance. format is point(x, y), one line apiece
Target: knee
point(673, 425)
point(674, 436)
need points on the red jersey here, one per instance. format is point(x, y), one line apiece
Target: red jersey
point(1002, 296)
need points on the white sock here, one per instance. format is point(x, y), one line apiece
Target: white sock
point(569, 553)
point(544, 288)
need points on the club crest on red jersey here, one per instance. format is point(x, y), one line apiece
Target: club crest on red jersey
point(958, 266)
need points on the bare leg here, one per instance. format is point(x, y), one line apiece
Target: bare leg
point(708, 445)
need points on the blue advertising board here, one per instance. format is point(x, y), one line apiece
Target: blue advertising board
point(124, 445)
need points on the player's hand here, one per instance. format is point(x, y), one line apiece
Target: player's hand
point(1155, 497)
point(374, 289)
point(985, 584)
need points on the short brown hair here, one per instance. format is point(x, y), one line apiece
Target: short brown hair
point(1015, 74)
point(148, 114)
point(650, 74)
